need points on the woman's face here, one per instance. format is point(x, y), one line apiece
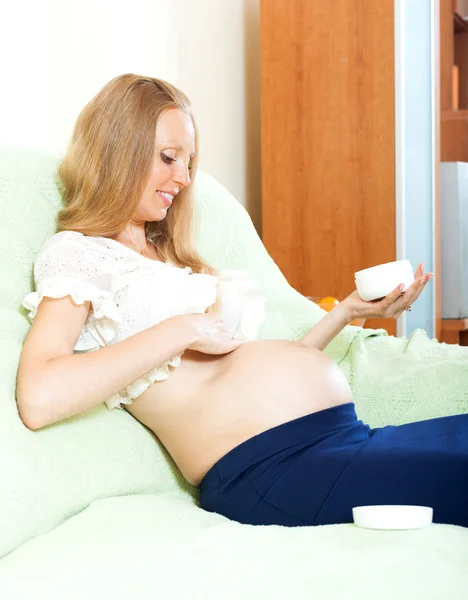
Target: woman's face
point(170, 171)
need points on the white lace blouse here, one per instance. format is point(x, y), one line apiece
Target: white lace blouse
point(129, 293)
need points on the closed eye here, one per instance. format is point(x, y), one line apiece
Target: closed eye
point(167, 159)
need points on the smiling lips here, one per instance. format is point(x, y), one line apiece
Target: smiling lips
point(166, 197)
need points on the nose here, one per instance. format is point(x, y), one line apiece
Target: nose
point(182, 174)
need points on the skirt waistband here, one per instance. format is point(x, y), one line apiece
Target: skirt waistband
point(308, 430)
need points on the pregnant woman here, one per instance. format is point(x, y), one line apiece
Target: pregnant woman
point(126, 311)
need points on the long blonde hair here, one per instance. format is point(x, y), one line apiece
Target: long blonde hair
point(108, 161)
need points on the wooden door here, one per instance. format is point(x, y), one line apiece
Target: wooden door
point(328, 149)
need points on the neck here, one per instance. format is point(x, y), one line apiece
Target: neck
point(133, 234)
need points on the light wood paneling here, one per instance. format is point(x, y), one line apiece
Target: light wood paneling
point(328, 151)
point(454, 137)
point(437, 208)
point(461, 61)
point(453, 123)
point(455, 331)
point(446, 54)
point(461, 8)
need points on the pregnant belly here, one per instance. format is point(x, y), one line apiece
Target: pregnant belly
point(261, 385)
point(274, 380)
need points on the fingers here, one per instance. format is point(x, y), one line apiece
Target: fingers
point(395, 303)
point(412, 293)
point(417, 287)
point(421, 284)
point(234, 341)
point(392, 297)
point(419, 271)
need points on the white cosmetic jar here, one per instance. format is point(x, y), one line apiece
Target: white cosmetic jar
point(379, 281)
point(392, 517)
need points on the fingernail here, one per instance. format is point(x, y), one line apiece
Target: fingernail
point(401, 287)
point(422, 267)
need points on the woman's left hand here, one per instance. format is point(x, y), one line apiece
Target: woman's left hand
point(390, 307)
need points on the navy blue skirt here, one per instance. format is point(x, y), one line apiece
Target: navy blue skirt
point(315, 469)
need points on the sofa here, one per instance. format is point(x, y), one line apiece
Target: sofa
point(93, 507)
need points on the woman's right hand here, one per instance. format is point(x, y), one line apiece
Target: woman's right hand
point(212, 335)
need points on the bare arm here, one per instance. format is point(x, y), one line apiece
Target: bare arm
point(327, 328)
point(53, 383)
point(352, 307)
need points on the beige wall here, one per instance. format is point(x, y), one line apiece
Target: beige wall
point(218, 67)
point(64, 52)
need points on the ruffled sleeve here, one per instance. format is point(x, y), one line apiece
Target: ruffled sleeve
point(68, 265)
point(242, 304)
